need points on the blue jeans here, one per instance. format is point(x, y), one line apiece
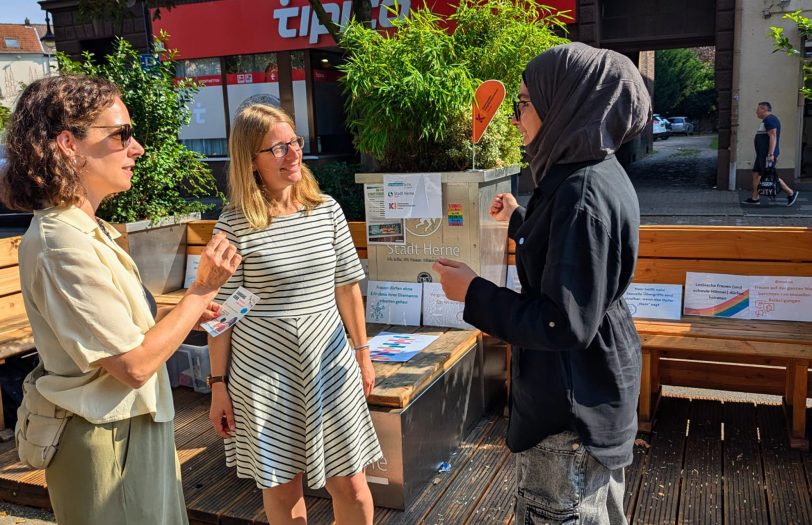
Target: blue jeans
point(559, 482)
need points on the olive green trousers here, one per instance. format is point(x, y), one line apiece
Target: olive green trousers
point(123, 473)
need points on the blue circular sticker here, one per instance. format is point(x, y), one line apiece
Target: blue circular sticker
point(244, 311)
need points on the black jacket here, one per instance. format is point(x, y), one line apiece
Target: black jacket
point(576, 358)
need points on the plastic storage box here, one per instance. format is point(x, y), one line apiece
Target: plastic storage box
point(197, 369)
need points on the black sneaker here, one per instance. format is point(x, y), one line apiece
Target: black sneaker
point(750, 200)
point(792, 198)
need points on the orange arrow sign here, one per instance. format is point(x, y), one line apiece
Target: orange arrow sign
point(489, 95)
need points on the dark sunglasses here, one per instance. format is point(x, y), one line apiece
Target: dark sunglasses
point(280, 150)
point(125, 132)
point(518, 104)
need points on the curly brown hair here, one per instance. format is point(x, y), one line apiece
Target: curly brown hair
point(38, 174)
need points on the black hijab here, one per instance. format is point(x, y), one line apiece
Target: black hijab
point(590, 101)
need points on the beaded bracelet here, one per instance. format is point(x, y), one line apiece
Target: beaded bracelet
point(361, 347)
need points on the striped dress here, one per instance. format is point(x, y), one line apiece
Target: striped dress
point(295, 386)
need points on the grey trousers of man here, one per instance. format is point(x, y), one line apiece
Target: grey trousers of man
point(559, 482)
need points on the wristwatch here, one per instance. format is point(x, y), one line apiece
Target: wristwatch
point(210, 380)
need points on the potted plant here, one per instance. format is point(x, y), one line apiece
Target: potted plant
point(409, 98)
point(168, 179)
point(409, 94)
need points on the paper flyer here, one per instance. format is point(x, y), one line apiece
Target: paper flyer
point(234, 309)
point(416, 196)
point(380, 230)
point(781, 298)
point(654, 301)
point(717, 295)
point(438, 310)
point(394, 303)
point(398, 348)
point(192, 262)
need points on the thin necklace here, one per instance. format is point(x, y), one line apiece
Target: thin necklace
point(103, 229)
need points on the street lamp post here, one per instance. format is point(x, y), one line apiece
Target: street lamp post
point(48, 41)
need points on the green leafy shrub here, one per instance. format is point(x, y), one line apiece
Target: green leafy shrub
point(5, 113)
point(409, 94)
point(168, 172)
point(337, 179)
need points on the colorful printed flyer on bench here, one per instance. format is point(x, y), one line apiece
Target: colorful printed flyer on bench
point(231, 311)
point(398, 348)
point(654, 301)
point(781, 298)
point(392, 302)
point(717, 295)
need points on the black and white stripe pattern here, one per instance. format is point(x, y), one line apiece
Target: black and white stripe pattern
point(296, 263)
point(294, 383)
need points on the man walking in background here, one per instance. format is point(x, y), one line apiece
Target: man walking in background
point(766, 143)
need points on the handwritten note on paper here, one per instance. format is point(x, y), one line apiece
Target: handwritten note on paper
point(438, 310)
point(654, 301)
point(391, 302)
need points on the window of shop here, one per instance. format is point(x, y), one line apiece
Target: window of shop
point(300, 105)
point(251, 78)
point(328, 104)
point(206, 133)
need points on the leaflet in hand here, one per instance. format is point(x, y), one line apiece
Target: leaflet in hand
point(234, 309)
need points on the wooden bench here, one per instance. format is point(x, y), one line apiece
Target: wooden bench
point(15, 332)
point(765, 357)
point(770, 357)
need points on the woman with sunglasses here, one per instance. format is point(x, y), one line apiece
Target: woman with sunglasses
point(288, 390)
point(575, 367)
point(99, 335)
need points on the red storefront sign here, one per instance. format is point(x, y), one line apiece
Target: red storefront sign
point(241, 27)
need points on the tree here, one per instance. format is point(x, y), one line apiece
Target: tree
point(409, 94)
point(684, 83)
point(5, 113)
point(158, 106)
point(782, 43)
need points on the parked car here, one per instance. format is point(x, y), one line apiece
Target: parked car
point(681, 125)
point(661, 128)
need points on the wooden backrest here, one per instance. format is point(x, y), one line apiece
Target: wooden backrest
point(198, 234)
point(668, 252)
point(11, 300)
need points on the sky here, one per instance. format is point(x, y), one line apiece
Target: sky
point(15, 11)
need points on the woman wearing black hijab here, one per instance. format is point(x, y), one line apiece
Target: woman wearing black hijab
point(575, 367)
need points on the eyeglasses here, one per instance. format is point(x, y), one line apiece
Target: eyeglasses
point(518, 106)
point(125, 132)
point(280, 150)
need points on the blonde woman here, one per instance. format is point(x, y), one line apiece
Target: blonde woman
point(288, 390)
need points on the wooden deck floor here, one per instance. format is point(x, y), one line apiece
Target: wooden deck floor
point(706, 462)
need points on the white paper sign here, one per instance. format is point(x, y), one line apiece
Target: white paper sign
point(234, 309)
point(512, 279)
point(365, 281)
point(394, 303)
point(781, 298)
point(192, 262)
point(380, 230)
point(654, 301)
point(717, 295)
point(415, 196)
point(438, 310)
